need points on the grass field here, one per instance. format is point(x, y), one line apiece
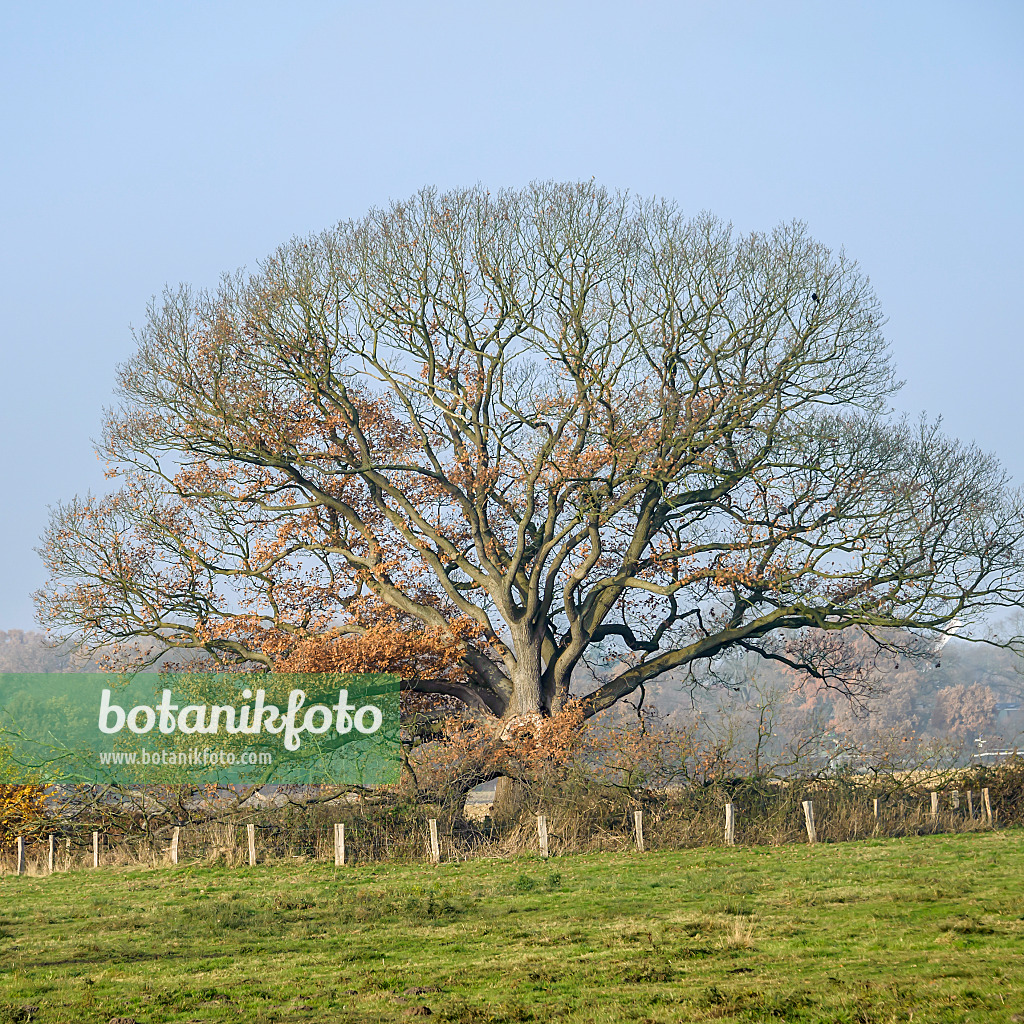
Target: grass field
point(922, 929)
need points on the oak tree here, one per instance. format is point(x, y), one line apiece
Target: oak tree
point(480, 439)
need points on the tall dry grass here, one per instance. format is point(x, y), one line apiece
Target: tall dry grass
point(581, 817)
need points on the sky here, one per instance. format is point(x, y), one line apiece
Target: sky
point(143, 145)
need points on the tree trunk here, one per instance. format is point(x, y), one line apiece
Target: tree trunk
point(526, 675)
point(509, 799)
point(510, 795)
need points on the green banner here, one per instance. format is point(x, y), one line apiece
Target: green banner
point(198, 728)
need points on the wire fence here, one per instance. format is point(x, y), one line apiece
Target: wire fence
point(556, 827)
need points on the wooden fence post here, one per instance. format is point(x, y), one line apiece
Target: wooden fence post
point(251, 830)
point(542, 835)
point(21, 855)
point(175, 836)
point(339, 844)
point(812, 835)
point(435, 846)
point(638, 826)
point(730, 825)
point(970, 805)
point(67, 853)
point(51, 859)
point(988, 806)
point(935, 805)
point(875, 802)
point(955, 799)
point(95, 849)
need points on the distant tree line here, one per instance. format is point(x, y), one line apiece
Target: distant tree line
point(25, 650)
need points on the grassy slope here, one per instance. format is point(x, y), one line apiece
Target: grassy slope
point(924, 929)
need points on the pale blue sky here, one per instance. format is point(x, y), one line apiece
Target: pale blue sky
point(145, 144)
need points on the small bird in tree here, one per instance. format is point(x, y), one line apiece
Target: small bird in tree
point(814, 296)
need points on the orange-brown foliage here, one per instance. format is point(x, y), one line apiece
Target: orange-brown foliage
point(22, 811)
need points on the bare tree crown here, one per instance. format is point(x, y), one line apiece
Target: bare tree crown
point(477, 436)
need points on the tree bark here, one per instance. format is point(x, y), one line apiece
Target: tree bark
point(509, 799)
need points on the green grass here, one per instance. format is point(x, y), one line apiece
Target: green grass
point(922, 929)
